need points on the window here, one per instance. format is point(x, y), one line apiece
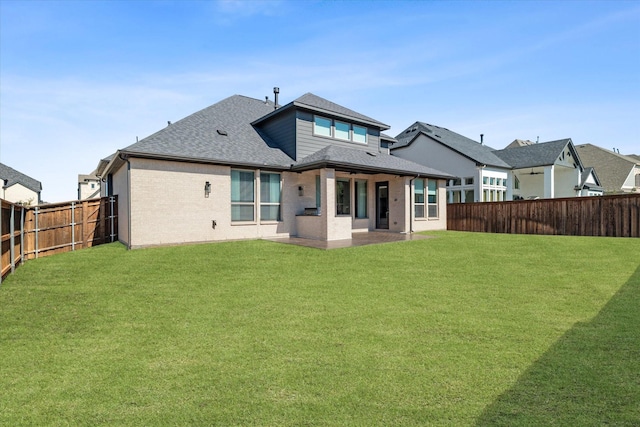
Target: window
point(343, 197)
point(361, 199)
point(342, 130)
point(468, 196)
point(93, 185)
point(270, 196)
point(492, 181)
point(485, 180)
point(516, 183)
point(432, 198)
point(457, 181)
point(418, 198)
point(322, 126)
point(638, 180)
point(469, 181)
point(242, 196)
point(326, 127)
point(359, 134)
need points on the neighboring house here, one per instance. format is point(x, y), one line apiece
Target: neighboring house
point(479, 175)
point(618, 173)
point(18, 187)
point(246, 168)
point(548, 170)
point(88, 186)
point(482, 174)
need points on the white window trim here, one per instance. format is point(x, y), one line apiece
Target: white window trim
point(332, 131)
point(256, 177)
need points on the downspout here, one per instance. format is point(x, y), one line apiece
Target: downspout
point(126, 158)
point(129, 201)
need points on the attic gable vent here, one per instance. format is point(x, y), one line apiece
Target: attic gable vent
point(222, 132)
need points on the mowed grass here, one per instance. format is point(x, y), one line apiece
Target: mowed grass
point(460, 329)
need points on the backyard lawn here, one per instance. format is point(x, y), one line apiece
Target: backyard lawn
point(460, 329)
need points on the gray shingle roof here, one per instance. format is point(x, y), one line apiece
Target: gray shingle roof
point(358, 160)
point(320, 105)
point(613, 168)
point(466, 147)
point(528, 156)
point(12, 176)
point(219, 133)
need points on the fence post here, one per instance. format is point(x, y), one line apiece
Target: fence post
point(36, 248)
point(12, 238)
point(73, 226)
point(22, 213)
point(111, 201)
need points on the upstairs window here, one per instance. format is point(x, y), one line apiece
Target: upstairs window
point(336, 129)
point(342, 130)
point(359, 134)
point(322, 126)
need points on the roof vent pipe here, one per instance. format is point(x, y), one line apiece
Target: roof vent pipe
point(481, 138)
point(276, 91)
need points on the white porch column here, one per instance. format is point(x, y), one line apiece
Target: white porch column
point(509, 193)
point(328, 197)
point(549, 182)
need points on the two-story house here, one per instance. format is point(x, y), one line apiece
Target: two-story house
point(478, 174)
point(483, 174)
point(18, 187)
point(88, 186)
point(247, 168)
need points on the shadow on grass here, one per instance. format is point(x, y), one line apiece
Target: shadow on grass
point(590, 376)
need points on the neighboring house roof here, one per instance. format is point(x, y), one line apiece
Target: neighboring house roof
point(519, 143)
point(318, 104)
point(11, 176)
point(613, 168)
point(350, 159)
point(219, 133)
point(464, 146)
point(528, 156)
point(585, 176)
point(388, 138)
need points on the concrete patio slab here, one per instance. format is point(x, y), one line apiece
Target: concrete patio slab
point(357, 239)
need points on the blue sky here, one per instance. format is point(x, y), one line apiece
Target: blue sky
point(81, 79)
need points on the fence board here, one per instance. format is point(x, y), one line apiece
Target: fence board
point(614, 216)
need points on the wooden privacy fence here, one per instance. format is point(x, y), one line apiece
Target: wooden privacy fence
point(614, 216)
point(43, 230)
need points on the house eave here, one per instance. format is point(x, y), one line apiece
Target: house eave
point(132, 154)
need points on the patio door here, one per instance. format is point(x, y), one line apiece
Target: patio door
point(382, 205)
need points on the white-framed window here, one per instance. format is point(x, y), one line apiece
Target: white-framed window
point(329, 128)
point(322, 126)
point(418, 198)
point(343, 130)
point(343, 196)
point(359, 134)
point(270, 191)
point(361, 199)
point(432, 198)
point(242, 195)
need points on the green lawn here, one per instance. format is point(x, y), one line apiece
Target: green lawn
point(461, 329)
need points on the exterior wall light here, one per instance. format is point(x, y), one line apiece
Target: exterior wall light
point(207, 189)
